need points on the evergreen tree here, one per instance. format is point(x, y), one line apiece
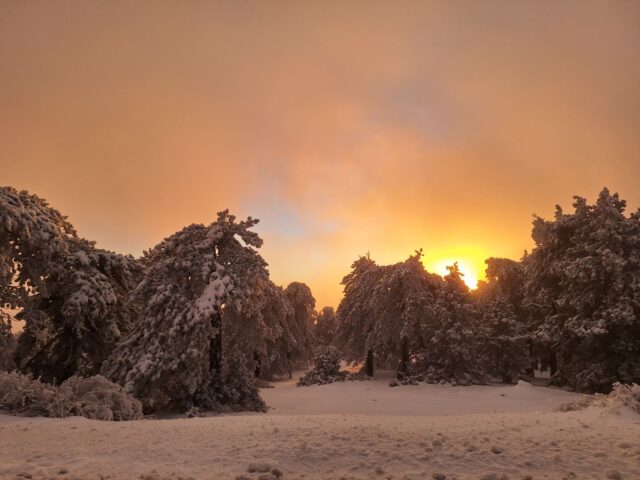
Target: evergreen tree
point(71, 295)
point(504, 332)
point(325, 327)
point(300, 323)
point(582, 286)
point(33, 238)
point(449, 347)
point(261, 330)
point(355, 321)
point(85, 304)
point(172, 358)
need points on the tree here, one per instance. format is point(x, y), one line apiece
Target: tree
point(172, 358)
point(383, 310)
point(84, 301)
point(582, 287)
point(505, 336)
point(71, 295)
point(325, 327)
point(449, 346)
point(261, 330)
point(355, 321)
point(33, 237)
point(303, 304)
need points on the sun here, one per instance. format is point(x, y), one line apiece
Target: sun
point(468, 269)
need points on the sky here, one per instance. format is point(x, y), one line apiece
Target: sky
point(347, 127)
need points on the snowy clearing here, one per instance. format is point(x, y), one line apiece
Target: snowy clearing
point(353, 430)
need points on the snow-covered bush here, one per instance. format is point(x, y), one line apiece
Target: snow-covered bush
point(22, 395)
point(626, 396)
point(98, 398)
point(326, 368)
point(93, 397)
point(621, 396)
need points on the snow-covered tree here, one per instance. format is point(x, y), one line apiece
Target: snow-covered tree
point(82, 312)
point(448, 334)
point(355, 320)
point(505, 339)
point(33, 237)
point(300, 323)
point(172, 358)
point(71, 295)
point(582, 288)
point(383, 311)
point(403, 315)
point(401, 303)
point(261, 330)
point(325, 327)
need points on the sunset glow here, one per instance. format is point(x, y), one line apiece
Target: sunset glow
point(343, 129)
point(469, 273)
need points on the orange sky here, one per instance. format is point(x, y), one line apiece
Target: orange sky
point(347, 127)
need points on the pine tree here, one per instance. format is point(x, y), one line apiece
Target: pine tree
point(261, 330)
point(449, 335)
point(505, 336)
point(355, 321)
point(71, 295)
point(172, 358)
point(582, 285)
point(300, 323)
point(85, 302)
point(325, 327)
point(33, 238)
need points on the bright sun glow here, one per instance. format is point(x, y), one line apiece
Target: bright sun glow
point(470, 261)
point(470, 275)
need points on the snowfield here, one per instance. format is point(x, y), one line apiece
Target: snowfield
point(353, 430)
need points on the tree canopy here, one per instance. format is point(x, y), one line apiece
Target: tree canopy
point(172, 358)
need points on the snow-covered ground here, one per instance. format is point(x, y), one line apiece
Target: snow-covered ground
point(354, 430)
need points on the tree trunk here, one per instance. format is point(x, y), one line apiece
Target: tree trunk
point(290, 364)
point(553, 363)
point(531, 367)
point(368, 366)
point(403, 367)
point(215, 347)
point(257, 363)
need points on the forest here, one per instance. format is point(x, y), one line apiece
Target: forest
point(196, 324)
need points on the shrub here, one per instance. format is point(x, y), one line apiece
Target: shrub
point(326, 368)
point(93, 397)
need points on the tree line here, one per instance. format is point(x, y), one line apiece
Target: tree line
point(571, 305)
point(196, 320)
point(191, 323)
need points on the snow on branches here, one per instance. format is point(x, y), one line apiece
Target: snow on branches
point(172, 358)
point(582, 288)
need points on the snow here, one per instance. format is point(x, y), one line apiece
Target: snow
point(213, 294)
point(352, 430)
